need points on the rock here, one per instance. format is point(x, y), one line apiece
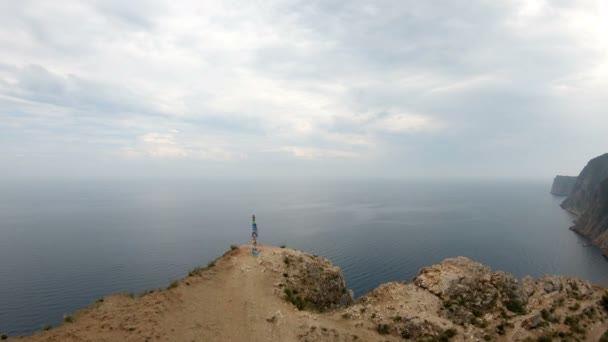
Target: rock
point(315, 283)
point(415, 328)
point(551, 283)
point(533, 322)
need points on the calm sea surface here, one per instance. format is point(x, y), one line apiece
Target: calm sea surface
point(65, 244)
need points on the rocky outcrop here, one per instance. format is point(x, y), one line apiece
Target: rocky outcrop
point(563, 185)
point(589, 201)
point(462, 299)
point(312, 282)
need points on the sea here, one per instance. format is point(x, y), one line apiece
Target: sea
point(64, 244)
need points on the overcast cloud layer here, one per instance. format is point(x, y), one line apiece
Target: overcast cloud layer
point(410, 89)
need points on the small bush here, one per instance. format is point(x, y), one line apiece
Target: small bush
point(447, 335)
point(286, 261)
point(383, 329)
point(147, 292)
point(293, 298)
point(100, 300)
point(604, 301)
point(604, 337)
point(211, 264)
point(574, 324)
point(515, 307)
point(68, 319)
point(233, 247)
point(3, 337)
point(47, 327)
point(346, 315)
point(574, 307)
point(173, 285)
point(283, 246)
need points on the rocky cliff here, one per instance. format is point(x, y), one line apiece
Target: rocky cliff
point(587, 185)
point(589, 201)
point(563, 185)
point(289, 295)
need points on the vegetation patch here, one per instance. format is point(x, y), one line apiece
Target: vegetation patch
point(68, 318)
point(173, 285)
point(574, 307)
point(604, 337)
point(383, 329)
point(294, 298)
point(3, 337)
point(515, 307)
point(47, 327)
point(233, 247)
point(604, 301)
point(574, 324)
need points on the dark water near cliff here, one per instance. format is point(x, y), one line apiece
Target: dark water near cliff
point(65, 244)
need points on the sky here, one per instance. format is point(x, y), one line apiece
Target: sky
point(281, 89)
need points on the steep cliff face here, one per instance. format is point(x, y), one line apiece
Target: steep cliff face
point(563, 185)
point(589, 201)
point(593, 223)
point(587, 185)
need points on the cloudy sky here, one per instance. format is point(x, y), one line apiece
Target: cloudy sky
point(407, 89)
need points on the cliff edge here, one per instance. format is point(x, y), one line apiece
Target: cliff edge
point(563, 185)
point(289, 295)
point(589, 201)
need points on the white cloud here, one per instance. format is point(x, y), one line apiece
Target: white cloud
point(315, 153)
point(168, 146)
point(405, 123)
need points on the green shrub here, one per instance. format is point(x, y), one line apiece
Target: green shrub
point(346, 315)
point(604, 301)
point(515, 307)
point(173, 285)
point(68, 319)
point(233, 247)
point(286, 261)
point(211, 264)
point(3, 337)
point(574, 307)
point(574, 324)
point(283, 246)
point(604, 337)
point(100, 300)
point(47, 327)
point(293, 298)
point(383, 329)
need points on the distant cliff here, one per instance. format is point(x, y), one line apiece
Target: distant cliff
point(563, 185)
point(589, 200)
